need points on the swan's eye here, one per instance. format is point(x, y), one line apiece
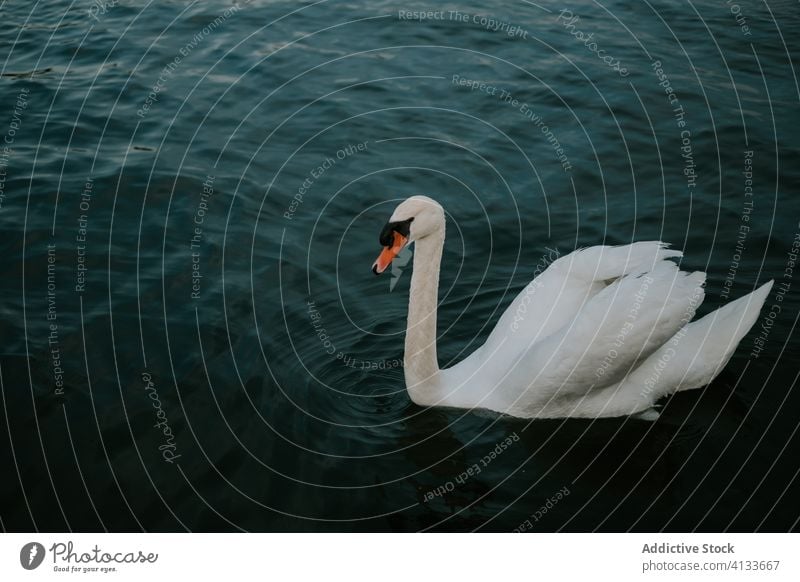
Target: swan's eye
point(387, 234)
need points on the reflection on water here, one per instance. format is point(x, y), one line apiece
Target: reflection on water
point(207, 218)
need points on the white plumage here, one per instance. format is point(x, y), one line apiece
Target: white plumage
point(604, 331)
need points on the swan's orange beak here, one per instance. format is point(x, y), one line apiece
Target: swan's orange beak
point(389, 253)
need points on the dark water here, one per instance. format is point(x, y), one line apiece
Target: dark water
point(265, 393)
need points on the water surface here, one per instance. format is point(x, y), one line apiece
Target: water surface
point(193, 340)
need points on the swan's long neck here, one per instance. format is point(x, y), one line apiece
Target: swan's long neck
point(420, 361)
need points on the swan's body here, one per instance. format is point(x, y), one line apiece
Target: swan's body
point(604, 331)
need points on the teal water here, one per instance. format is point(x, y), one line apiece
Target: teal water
point(191, 201)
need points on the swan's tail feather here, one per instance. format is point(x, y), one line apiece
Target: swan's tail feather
point(692, 358)
point(602, 263)
point(711, 340)
point(699, 351)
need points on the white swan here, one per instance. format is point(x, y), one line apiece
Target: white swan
point(603, 331)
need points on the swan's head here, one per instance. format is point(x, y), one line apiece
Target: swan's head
point(414, 219)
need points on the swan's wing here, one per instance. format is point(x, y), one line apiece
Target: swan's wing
point(553, 299)
point(690, 359)
point(617, 329)
point(603, 263)
point(697, 353)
